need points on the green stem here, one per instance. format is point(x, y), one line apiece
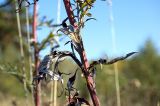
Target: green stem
point(22, 54)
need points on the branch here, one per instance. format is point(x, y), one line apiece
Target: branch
point(44, 43)
point(28, 4)
point(104, 61)
point(70, 13)
point(68, 53)
point(45, 64)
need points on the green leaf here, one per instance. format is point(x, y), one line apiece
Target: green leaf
point(59, 35)
point(51, 35)
point(89, 14)
point(45, 41)
point(88, 2)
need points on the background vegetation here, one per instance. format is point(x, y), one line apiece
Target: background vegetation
point(139, 75)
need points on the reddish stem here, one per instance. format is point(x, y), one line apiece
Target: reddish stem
point(70, 14)
point(84, 60)
point(36, 56)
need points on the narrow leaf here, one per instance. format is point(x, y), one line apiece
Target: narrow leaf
point(71, 80)
point(89, 14)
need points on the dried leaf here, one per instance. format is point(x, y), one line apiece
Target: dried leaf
point(67, 42)
point(64, 31)
point(90, 19)
point(71, 28)
point(45, 64)
point(83, 101)
point(104, 61)
point(71, 80)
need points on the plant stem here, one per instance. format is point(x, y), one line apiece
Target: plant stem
point(51, 96)
point(113, 34)
point(55, 93)
point(36, 56)
point(89, 78)
point(22, 54)
point(30, 53)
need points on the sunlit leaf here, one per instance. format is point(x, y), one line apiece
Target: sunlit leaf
point(89, 14)
point(88, 2)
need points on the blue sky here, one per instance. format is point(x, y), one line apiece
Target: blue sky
point(134, 22)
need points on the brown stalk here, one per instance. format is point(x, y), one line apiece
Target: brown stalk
point(89, 78)
point(36, 56)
